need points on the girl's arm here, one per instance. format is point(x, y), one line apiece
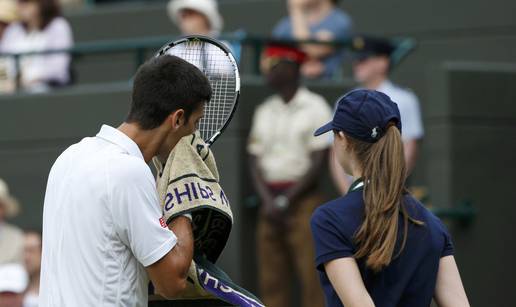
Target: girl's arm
point(449, 291)
point(347, 282)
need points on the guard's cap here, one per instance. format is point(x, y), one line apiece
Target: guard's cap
point(364, 115)
point(364, 47)
point(281, 51)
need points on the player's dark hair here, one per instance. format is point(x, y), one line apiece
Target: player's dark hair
point(384, 175)
point(163, 85)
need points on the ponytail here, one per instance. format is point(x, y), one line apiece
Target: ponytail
point(384, 174)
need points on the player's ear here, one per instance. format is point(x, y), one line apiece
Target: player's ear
point(342, 138)
point(177, 119)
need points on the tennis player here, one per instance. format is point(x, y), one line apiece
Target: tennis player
point(103, 232)
point(378, 246)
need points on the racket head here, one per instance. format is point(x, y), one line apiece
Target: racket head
point(219, 66)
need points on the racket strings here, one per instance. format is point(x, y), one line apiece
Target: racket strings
point(220, 71)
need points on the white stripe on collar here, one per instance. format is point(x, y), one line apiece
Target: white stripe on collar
point(359, 185)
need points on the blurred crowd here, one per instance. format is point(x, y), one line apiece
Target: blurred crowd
point(38, 26)
point(20, 257)
point(285, 160)
point(34, 26)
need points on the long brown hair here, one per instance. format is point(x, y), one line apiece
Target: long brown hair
point(384, 174)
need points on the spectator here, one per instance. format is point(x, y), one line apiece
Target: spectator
point(41, 28)
point(8, 14)
point(201, 17)
point(32, 261)
point(371, 67)
point(285, 163)
point(13, 281)
point(196, 17)
point(11, 238)
point(318, 20)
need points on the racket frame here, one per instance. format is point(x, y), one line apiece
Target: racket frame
point(163, 51)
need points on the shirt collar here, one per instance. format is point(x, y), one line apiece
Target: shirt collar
point(119, 138)
point(358, 184)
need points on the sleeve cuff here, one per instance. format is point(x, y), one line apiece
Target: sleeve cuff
point(159, 252)
point(321, 260)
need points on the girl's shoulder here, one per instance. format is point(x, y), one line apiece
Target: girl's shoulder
point(415, 208)
point(432, 225)
point(345, 213)
point(419, 211)
point(353, 202)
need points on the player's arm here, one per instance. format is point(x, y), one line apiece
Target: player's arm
point(168, 275)
point(345, 278)
point(449, 291)
point(138, 222)
point(318, 159)
point(340, 179)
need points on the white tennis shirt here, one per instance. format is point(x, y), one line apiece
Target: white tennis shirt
point(101, 225)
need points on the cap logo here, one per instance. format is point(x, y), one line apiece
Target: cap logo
point(374, 132)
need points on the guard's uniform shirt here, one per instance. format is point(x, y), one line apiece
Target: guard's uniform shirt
point(101, 225)
point(409, 280)
point(282, 135)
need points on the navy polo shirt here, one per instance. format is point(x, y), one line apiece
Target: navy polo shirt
point(409, 280)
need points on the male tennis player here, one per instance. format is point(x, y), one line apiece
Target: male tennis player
point(103, 234)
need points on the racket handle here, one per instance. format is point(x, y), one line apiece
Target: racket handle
point(213, 138)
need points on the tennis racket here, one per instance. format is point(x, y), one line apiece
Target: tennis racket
point(217, 63)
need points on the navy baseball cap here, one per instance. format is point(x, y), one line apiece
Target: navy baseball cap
point(364, 47)
point(364, 115)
